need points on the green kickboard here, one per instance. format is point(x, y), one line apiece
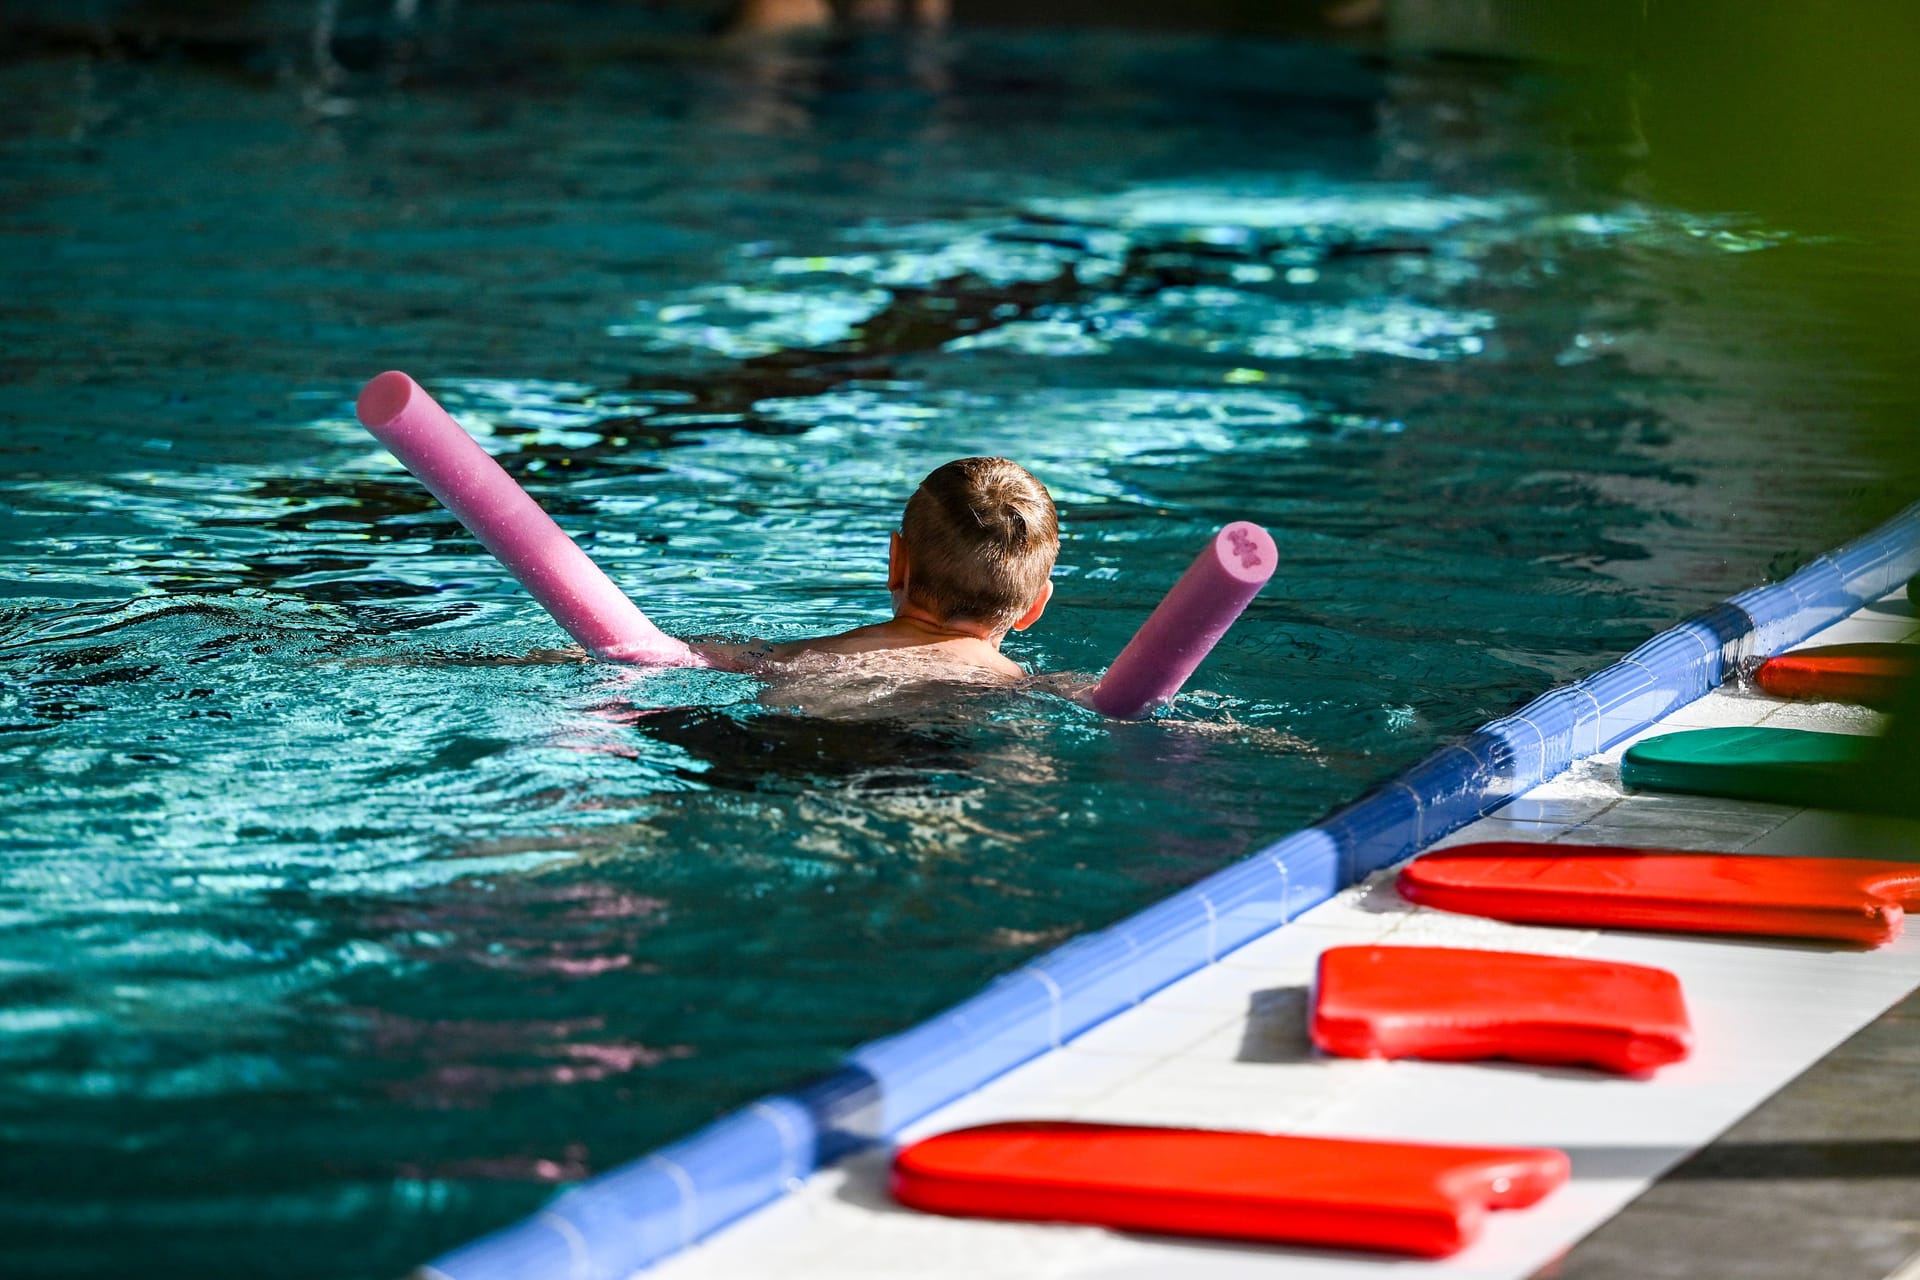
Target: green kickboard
point(1779, 766)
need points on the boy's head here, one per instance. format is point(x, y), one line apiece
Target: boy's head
point(979, 538)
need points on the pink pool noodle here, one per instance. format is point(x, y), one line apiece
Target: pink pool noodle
point(1188, 623)
point(553, 569)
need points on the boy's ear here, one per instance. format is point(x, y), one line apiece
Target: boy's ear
point(1034, 610)
point(897, 562)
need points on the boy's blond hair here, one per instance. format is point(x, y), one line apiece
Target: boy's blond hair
point(981, 535)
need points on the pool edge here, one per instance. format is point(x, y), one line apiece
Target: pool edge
point(657, 1205)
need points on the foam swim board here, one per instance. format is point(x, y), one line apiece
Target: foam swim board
point(1872, 675)
point(1395, 1197)
point(1853, 900)
point(1776, 766)
point(1457, 1004)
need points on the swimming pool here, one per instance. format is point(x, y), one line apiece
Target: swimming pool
point(330, 940)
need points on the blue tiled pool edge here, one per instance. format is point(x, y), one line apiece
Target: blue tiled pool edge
point(652, 1207)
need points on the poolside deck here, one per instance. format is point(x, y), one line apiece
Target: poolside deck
point(1227, 1047)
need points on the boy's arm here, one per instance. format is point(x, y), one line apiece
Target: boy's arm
point(724, 656)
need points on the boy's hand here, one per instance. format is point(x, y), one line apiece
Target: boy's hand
point(726, 656)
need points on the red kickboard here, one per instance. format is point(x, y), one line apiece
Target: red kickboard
point(1456, 1004)
point(1394, 1197)
point(1869, 674)
point(1608, 887)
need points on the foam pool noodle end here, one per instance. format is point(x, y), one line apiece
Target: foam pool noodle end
point(511, 525)
point(1213, 592)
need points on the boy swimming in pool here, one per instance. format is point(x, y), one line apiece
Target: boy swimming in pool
point(971, 562)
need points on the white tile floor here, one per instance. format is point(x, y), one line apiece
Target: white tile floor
point(1227, 1047)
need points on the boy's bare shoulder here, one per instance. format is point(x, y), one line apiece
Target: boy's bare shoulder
point(871, 649)
point(874, 650)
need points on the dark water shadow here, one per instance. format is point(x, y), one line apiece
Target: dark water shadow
point(752, 752)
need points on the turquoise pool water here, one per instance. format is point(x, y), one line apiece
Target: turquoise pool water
point(328, 938)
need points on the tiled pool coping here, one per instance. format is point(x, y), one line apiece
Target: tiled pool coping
point(655, 1206)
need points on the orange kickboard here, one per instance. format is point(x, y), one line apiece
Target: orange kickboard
point(1610, 887)
point(1456, 1004)
point(1869, 674)
point(1394, 1197)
